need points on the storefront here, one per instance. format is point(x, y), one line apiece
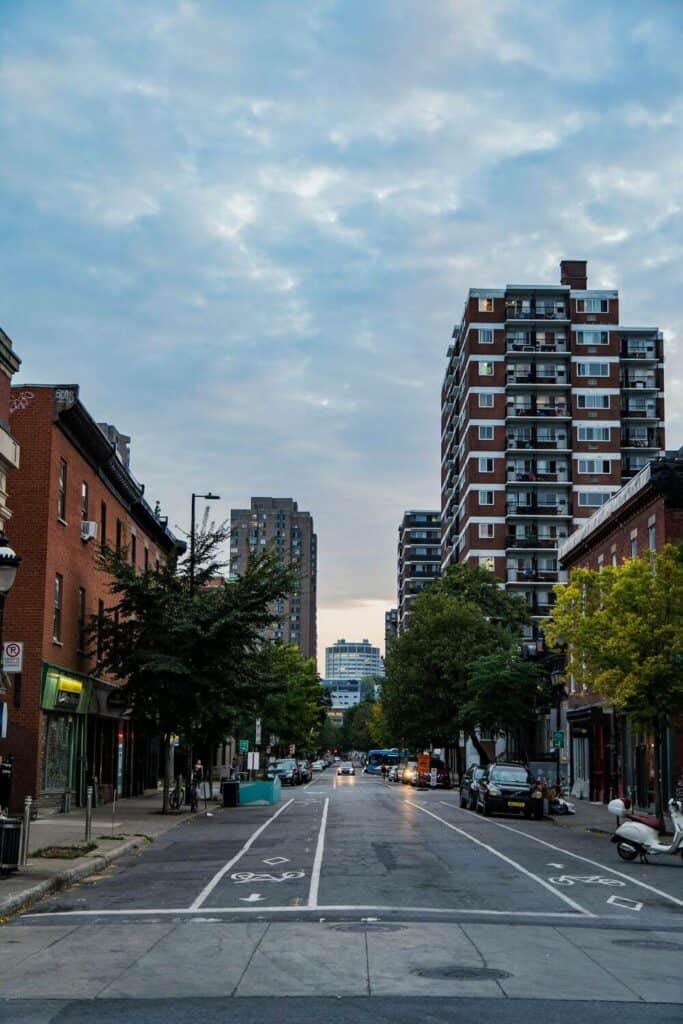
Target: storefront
point(64, 702)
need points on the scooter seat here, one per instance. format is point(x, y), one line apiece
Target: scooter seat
point(647, 819)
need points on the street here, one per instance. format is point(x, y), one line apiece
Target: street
point(353, 888)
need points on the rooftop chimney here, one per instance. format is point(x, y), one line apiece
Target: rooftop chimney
point(575, 274)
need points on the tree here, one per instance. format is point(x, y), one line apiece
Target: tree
point(502, 694)
point(356, 728)
point(622, 628)
point(190, 655)
point(456, 620)
point(296, 710)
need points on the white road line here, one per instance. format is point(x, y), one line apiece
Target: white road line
point(496, 853)
point(208, 889)
point(318, 861)
point(341, 908)
point(577, 856)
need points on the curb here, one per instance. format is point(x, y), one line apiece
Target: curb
point(33, 893)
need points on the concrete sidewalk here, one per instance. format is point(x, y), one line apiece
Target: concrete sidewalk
point(589, 817)
point(136, 822)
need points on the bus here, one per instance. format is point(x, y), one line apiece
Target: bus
point(376, 758)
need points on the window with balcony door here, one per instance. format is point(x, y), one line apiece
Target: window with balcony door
point(61, 490)
point(592, 305)
point(485, 304)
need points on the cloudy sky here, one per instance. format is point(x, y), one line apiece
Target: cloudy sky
point(246, 228)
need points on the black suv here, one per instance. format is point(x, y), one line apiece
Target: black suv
point(509, 788)
point(469, 786)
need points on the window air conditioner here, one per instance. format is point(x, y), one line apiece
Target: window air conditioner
point(88, 531)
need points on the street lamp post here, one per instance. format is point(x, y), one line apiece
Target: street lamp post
point(9, 563)
point(207, 497)
point(559, 694)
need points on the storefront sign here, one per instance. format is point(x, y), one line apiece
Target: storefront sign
point(68, 693)
point(12, 656)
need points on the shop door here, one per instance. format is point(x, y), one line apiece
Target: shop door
point(58, 753)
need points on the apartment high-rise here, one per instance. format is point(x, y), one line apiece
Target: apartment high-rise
point(390, 628)
point(352, 659)
point(277, 524)
point(548, 406)
point(419, 556)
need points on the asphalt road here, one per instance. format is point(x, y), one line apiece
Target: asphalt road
point(355, 899)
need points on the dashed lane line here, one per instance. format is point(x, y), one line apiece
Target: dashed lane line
point(318, 860)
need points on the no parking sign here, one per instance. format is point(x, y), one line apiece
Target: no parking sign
point(12, 656)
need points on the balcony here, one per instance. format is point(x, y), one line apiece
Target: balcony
point(647, 411)
point(536, 311)
point(639, 383)
point(537, 476)
point(532, 347)
point(639, 348)
point(532, 574)
point(535, 376)
point(541, 607)
point(533, 540)
point(649, 440)
point(535, 439)
point(535, 508)
point(539, 411)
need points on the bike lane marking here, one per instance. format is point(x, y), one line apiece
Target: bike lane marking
point(508, 860)
point(568, 853)
point(210, 886)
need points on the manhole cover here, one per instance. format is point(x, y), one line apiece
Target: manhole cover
point(648, 943)
point(362, 926)
point(464, 973)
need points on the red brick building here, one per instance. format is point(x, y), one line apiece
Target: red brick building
point(67, 725)
point(607, 755)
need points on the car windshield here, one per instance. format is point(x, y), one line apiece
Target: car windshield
point(509, 775)
point(284, 764)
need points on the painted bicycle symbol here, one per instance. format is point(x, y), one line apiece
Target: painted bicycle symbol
point(586, 879)
point(243, 877)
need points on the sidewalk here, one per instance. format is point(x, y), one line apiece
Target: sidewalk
point(589, 817)
point(137, 822)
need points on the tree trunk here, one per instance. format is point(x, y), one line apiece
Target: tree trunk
point(484, 758)
point(659, 796)
point(167, 754)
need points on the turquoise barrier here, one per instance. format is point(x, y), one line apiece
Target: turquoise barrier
point(260, 792)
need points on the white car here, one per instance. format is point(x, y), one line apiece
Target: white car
point(317, 766)
point(346, 769)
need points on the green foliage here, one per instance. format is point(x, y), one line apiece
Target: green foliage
point(458, 620)
point(296, 710)
point(356, 732)
point(503, 691)
point(623, 631)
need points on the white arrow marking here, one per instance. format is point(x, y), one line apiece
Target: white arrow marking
point(254, 898)
point(625, 904)
point(551, 864)
point(276, 860)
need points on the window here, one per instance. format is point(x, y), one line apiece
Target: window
point(594, 433)
point(84, 502)
point(593, 401)
point(486, 369)
point(80, 621)
point(592, 338)
point(592, 369)
point(593, 499)
point(57, 616)
point(651, 537)
point(487, 562)
point(486, 531)
point(486, 497)
point(485, 305)
point(119, 535)
point(486, 465)
point(485, 433)
point(146, 558)
point(103, 524)
point(133, 549)
point(485, 336)
point(61, 490)
point(592, 306)
point(594, 466)
point(485, 400)
point(634, 546)
point(613, 558)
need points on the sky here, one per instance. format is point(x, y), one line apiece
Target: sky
point(246, 228)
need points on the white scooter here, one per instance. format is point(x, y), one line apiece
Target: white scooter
point(634, 838)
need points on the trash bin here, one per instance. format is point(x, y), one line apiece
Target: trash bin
point(10, 840)
point(231, 794)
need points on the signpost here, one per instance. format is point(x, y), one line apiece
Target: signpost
point(244, 746)
point(12, 656)
point(558, 740)
point(258, 732)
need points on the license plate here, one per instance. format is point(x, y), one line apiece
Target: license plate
point(515, 803)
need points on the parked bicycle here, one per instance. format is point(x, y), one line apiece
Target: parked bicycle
point(176, 798)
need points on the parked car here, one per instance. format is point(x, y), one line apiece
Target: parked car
point(469, 786)
point(443, 779)
point(346, 768)
point(305, 773)
point(287, 770)
point(509, 788)
point(408, 772)
point(318, 766)
point(395, 773)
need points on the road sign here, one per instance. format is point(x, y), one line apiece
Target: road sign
point(244, 746)
point(258, 732)
point(12, 656)
point(558, 740)
point(423, 762)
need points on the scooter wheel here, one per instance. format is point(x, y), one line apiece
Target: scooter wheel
point(626, 851)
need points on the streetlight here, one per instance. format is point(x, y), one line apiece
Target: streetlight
point(207, 497)
point(9, 563)
point(559, 694)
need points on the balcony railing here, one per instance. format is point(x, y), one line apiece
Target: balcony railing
point(537, 410)
point(629, 441)
point(534, 347)
point(647, 413)
point(534, 441)
point(534, 377)
point(514, 508)
point(532, 575)
point(537, 476)
point(537, 311)
point(531, 541)
point(644, 383)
